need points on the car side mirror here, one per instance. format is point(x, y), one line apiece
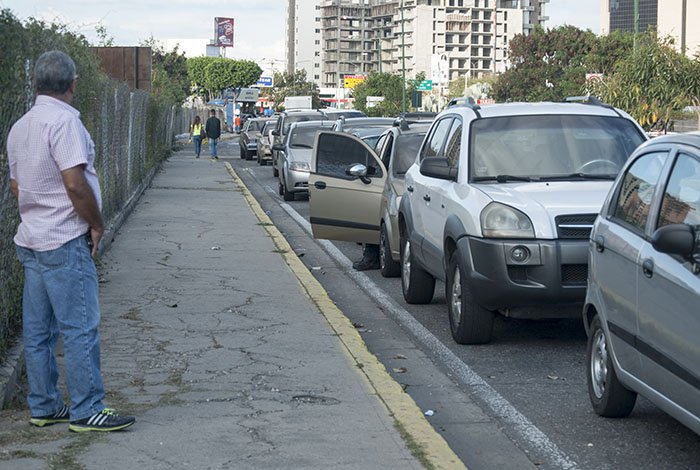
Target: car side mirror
point(675, 239)
point(438, 167)
point(278, 147)
point(358, 170)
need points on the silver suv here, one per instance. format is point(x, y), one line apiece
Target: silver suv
point(500, 205)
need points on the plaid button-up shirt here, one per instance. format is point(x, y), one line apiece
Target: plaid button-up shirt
point(48, 139)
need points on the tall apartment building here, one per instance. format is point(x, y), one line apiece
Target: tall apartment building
point(668, 17)
point(303, 38)
point(469, 36)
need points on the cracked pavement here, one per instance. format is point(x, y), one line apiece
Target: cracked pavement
point(208, 339)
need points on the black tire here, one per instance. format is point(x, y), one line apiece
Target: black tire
point(387, 266)
point(608, 396)
point(417, 285)
point(280, 188)
point(243, 152)
point(248, 155)
point(470, 323)
point(275, 171)
point(286, 195)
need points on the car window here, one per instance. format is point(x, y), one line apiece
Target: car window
point(336, 152)
point(386, 151)
point(681, 200)
point(454, 143)
point(407, 146)
point(637, 190)
point(437, 137)
point(303, 137)
point(289, 120)
point(379, 146)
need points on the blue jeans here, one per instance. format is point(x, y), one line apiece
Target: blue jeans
point(212, 147)
point(197, 144)
point(61, 296)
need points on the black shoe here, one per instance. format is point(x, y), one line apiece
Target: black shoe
point(105, 421)
point(61, 416)
point(365, 264)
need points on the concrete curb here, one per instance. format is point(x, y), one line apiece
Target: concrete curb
point(415, 429)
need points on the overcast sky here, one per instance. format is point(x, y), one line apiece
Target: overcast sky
point(259, 24)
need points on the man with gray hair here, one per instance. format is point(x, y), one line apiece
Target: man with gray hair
point(52, 175)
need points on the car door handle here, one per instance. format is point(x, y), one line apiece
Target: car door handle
point(648, 268)
point(320, 185)
point(599, 243)
point(409, 189)
point(426, 198)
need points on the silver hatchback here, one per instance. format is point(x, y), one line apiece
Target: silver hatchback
point(641, 312)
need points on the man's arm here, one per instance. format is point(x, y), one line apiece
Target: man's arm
point(14, 188)
point(84, 202)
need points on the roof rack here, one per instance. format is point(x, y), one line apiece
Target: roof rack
point(590, 99)
point(466, 101)
point(401, 122)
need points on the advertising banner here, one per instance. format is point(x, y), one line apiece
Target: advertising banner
point(223, 31)
point(351, 81)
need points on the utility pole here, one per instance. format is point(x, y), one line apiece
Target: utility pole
point(403, 63)
point(379, 53)
point(636, 23)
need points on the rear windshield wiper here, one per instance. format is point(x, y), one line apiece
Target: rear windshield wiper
point(503, 178)
point(585, 176)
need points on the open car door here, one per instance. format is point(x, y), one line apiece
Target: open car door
point(345, 189)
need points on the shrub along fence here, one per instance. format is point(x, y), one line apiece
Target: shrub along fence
point(133, 133)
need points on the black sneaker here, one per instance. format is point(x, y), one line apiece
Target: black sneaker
point(105, 421)
point(366, 264)
point(61, 416)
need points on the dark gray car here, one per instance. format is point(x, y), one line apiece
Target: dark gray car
point(641, 312)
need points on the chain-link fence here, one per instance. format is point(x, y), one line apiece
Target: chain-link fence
point(132, 131)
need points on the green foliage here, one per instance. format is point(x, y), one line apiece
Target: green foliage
point(652, 83)
point(212, 75)
point(105, 40)
point(294, 84)
point(547, 65)
point(389, 86)
point(170, 81)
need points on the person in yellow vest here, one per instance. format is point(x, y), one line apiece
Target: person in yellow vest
point(197, 135)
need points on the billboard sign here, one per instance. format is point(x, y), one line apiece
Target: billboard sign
point(351, 81)
point(223, 32)
point(439, 69)
point(248, 94)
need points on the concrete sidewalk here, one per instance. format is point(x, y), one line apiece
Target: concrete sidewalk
point(227, 350)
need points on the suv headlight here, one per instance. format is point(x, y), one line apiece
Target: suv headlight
point(299, 166)
point(501, 221)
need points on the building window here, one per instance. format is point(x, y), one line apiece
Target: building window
point(317, 42)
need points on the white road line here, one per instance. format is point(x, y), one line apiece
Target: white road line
point(498, 405)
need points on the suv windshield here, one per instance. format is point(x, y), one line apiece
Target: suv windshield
point(290, 119)
point(255, 126)
point(303, 137)
point(523, 148)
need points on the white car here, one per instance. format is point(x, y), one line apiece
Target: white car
point(500, 205)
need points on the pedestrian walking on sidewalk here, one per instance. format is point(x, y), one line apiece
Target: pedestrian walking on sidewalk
point(213, 130)
point(197, 135)
point(52, 175)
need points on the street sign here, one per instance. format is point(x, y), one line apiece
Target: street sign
point(425, 85)
point(265, 82)
point(248, 94)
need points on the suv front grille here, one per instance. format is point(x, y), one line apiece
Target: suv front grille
point(576, 226)
point(574, 274)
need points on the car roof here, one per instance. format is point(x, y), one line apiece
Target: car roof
point(319, 123)
point(691, 139)
point(533, 109)
point(304, 111)
point(367, 121)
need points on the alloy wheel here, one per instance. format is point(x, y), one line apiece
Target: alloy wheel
point(406, 264)
point(456, 298)
point(599, 363)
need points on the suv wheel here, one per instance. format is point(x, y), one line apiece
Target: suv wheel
point(608, 396)
point(244, 152)
point(417, 285)
point(275, 171)
point(387, 266)
point(470, 323)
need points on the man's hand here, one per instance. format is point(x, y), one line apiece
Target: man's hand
point(96, 237)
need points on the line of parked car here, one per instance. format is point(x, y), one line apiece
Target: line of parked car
point(528, 210)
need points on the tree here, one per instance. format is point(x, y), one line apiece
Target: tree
point(212, 75)
point(652, 83)
point(169, 72)
point(546, 65)
point(381, 84)
point(294, 84)
point(105, 39)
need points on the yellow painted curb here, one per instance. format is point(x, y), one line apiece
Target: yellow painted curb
point(412, 424)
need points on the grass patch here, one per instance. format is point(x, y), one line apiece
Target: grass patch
point(416, 449)
point(67, 458)
point(280, 252)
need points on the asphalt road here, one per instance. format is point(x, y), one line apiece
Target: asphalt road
point(529, 380)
